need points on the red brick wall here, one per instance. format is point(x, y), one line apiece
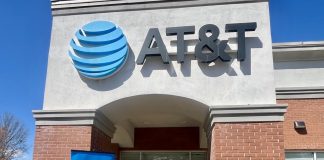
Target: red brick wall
point(56, 142)
point(247, 141)
point(312, 112)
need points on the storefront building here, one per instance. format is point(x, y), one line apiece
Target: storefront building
point(181, 80)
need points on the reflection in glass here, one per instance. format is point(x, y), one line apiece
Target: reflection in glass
point(320, 155)
point(165, 156)
point(299, 156)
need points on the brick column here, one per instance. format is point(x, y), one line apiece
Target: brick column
point(250, 141)
point(57, 133)
point(56, 142)
point(247, 133)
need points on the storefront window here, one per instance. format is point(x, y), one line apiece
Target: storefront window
point(304, 155)
point(165, 156)
point(299, 156)
point(130, 156)
point(150, 155)
point(320, 156)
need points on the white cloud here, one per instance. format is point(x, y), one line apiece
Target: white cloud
point(23, 156)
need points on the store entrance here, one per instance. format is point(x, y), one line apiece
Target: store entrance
point(165, 143)
point(163, 155)
point(158, 122)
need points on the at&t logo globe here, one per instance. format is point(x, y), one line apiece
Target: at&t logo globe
point(99, 49)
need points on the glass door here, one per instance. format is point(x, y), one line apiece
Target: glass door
point(165, 156)
point(160, 155)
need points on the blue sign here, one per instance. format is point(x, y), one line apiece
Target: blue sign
point(99, 49)
point(83, 155)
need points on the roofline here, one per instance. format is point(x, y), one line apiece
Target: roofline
point(300, 44)
point(76, 7)
point(298, 51)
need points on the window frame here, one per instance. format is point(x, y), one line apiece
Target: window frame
point(305, 151)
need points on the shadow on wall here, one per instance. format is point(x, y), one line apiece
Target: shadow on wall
point(251, 42)
point(116, 80)
point(301, 131)
point(214, 69)
point(155, 63)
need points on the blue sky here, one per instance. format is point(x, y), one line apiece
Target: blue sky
point(25, 27)
point(297, 20)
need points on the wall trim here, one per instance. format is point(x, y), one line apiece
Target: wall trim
point(72, 7)
point(300, 92)
point(245, 113)
point(74, 118)
point(298, 51)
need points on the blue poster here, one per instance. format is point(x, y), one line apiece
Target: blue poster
point(84, 155)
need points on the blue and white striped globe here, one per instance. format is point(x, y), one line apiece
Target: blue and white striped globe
point(99, 49)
